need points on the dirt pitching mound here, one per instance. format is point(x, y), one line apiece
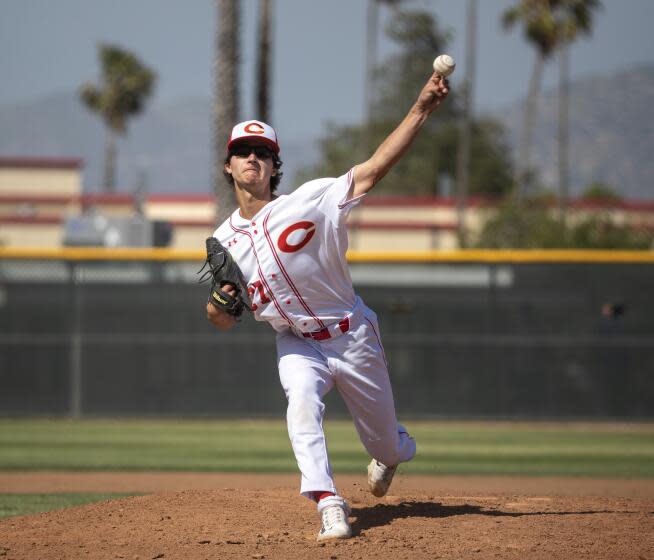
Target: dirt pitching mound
point(277, 523)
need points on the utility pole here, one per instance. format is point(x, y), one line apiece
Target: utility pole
point(465, 129)
point(372, 27)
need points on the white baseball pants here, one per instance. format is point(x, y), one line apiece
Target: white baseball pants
point(355, 364)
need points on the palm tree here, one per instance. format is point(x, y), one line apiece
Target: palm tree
point(225, 107)
point(125, 85)
point(540, 30)
point(263, 61)
point(574, 17)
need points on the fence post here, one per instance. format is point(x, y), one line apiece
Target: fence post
point(75, 343)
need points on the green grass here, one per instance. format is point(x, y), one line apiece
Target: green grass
point(593, 450)
point(24, 504)
point(474, 448)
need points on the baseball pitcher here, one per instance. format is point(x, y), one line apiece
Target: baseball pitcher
point(283, 258)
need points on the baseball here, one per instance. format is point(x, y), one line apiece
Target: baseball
point(444, 65)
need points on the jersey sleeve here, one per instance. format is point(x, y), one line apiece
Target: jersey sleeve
point(332, 195)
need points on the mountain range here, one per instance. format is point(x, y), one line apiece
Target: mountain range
point(611, 132)
point(168, 149)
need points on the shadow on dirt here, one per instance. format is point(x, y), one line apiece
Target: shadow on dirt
point(383, 514)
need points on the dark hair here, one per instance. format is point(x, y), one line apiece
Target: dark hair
point(274, 180)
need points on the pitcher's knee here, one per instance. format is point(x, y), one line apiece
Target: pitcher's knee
point(304, 413)
point(392, 452)
point(386, 454)
point(388, 459)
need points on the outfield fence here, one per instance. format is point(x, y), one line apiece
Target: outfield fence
point(468, 334)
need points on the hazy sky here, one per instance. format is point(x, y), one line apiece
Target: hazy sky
point(49, 46)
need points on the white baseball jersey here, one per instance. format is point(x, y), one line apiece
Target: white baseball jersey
point(292, 254)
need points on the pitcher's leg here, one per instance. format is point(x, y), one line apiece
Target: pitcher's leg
point(364, 384)
point(306, 380)
point(373, 412)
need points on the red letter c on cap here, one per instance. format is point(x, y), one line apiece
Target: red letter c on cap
point(287, 247)
point(254, 128)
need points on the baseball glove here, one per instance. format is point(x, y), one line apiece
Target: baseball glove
point(223, 270)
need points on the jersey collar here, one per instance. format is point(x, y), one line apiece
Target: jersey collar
point(244, 223)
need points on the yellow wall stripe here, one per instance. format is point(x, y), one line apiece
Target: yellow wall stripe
point(503, 256)
point(101, 254)
point(468, 255)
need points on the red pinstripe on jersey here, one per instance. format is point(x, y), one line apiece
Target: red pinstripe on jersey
point(285, 273)
point(378, 339)
point(261, 275)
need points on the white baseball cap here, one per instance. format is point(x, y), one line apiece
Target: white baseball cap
point(254, 129)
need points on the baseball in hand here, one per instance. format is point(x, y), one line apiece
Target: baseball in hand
point(444, 65)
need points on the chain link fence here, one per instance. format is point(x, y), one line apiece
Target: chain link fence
point(463, 339)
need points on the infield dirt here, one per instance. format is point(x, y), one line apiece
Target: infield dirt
point(198, 516)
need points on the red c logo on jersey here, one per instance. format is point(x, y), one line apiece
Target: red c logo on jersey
point(287, 247)
point(254, 128)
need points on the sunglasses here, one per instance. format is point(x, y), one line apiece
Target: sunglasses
point(261, 152)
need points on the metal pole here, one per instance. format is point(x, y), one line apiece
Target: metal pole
point(463, 156)
point(563, 143)
point(372, 25)
point(75, 343)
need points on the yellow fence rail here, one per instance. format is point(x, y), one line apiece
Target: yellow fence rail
point(463, 256)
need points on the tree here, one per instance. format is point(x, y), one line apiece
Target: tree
point(540, 30)
point(433, 154)
point(523, 225)
point(418, 37)
point(601, 191)
point(548, 25)
point(372, 27)
point(532, 224)
point(264, 56)
point(126, 84)
point(225, 107)
point(601, 232)
point(573, 17)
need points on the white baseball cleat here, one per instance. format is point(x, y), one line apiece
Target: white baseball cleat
point(334, 512)
point(380, 478)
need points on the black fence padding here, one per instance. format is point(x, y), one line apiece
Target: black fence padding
point(557, 341)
